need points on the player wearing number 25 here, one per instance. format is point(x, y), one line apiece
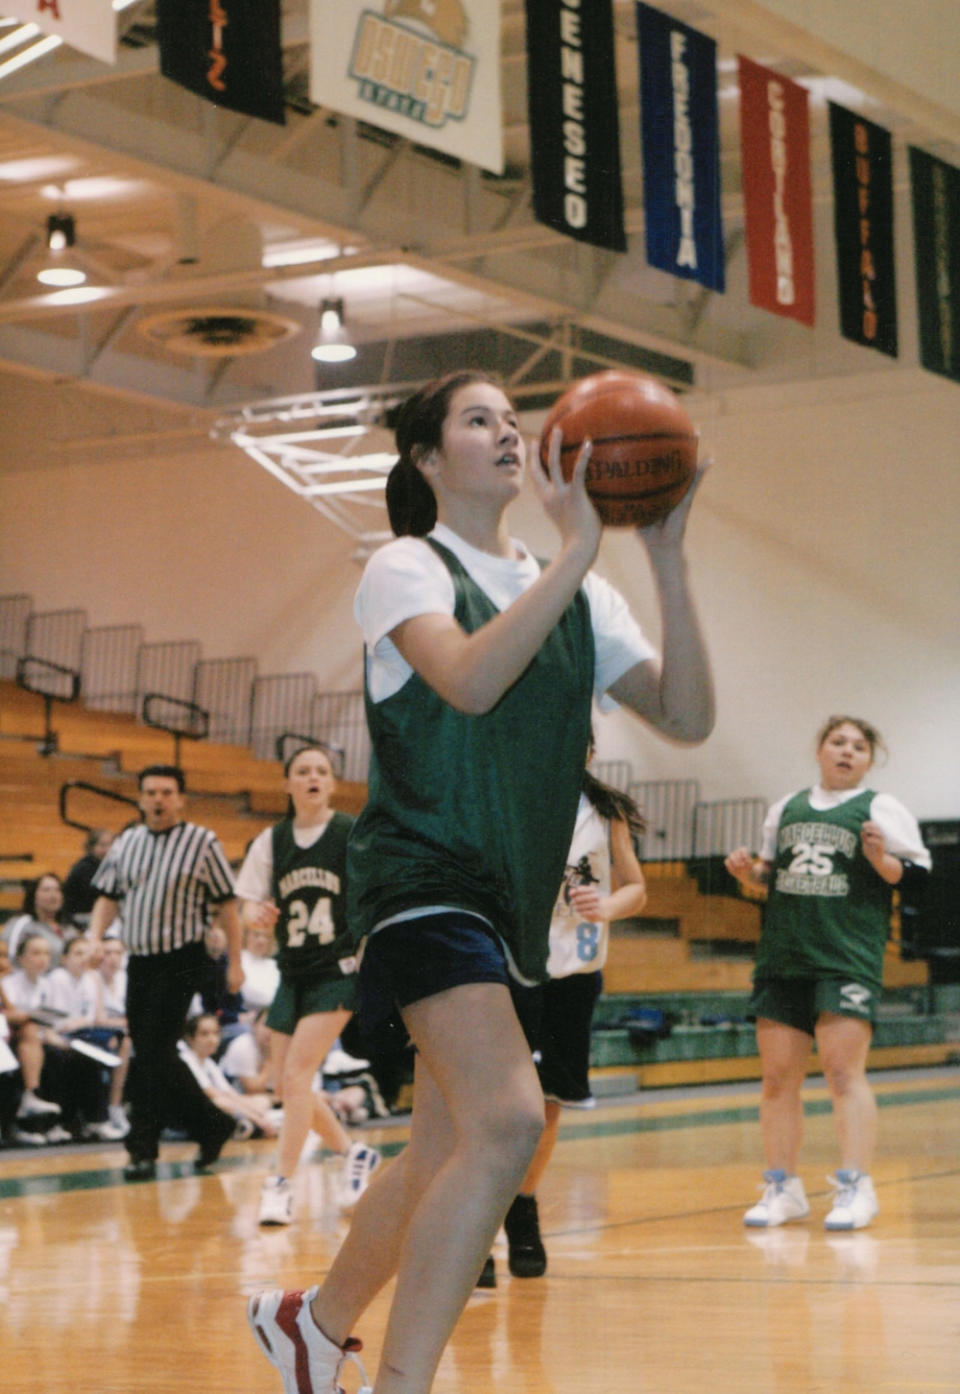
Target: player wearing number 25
point(293, 881)
point(830, 856)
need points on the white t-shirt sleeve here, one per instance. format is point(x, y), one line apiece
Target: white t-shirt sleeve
point(241, 1057)
point(768, 838)
point(619, 641)
point(901, 831)
point(254, 877)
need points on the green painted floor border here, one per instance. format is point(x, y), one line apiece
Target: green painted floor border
point(12, 1188)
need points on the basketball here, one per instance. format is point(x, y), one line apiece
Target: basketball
point(644, 445)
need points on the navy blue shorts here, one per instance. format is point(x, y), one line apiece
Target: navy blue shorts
point(413, 959)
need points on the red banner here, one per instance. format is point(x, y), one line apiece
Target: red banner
point(778, 207)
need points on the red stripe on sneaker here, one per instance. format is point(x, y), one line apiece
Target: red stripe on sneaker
point(286, 1319)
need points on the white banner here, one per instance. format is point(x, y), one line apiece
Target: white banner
point(427, 69)
point(89, 26)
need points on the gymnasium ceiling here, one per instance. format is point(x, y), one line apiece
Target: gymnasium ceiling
point(183, 209)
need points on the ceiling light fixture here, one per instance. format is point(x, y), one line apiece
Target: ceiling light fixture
point(60, 268)
point(333, 343)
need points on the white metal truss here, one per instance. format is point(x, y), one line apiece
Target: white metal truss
point(332, 449)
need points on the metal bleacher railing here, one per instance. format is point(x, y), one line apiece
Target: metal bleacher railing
point(114, 669)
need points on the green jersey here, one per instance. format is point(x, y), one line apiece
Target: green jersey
point(476, 812)
point(828, 911)
point(308, 886)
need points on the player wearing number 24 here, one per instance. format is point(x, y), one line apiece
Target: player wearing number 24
point(293, 882)
point(829, 858)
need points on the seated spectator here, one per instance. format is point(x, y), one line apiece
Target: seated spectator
point(75, 990)
point(78, 893)
point(43, 1055)
point(41, 913)
point(11, 1089)
point(213, 996)
point(209, 1107)
point(261, 975)
point(246, 1062)
point(113, 1013)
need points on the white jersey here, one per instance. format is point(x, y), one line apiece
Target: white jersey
point(207, 1073)
point(578, 945)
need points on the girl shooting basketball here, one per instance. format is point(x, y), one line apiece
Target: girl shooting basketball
point(480, 669)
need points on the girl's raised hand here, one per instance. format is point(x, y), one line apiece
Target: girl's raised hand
point(567, 503)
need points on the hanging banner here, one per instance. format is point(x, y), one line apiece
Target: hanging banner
point(777, 197)
point(863, 227)
point(935, 187)
point(681, 152)
point(427, 69)
point(89, 26)
point(225, 50)
point(574, 126)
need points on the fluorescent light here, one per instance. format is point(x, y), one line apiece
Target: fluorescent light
point(18, 37)
point(62, 276)
point(298, 253)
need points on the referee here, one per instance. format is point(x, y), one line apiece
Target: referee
point(166, 878)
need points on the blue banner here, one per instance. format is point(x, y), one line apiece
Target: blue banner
point(681, 149)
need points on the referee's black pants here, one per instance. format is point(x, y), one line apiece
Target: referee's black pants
point(160, 988)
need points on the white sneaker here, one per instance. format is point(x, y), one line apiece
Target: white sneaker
point(58, 1134)
point(855, 1202)
point(276, 1202)
point(783, 1199)
point(286, 1332)
point(360, 1164)
point(25, 1139)
point(118, 1117)
point(31, 1106)
point(104, 1132)
point(339, 1062)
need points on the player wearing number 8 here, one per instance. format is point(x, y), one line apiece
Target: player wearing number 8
point(293, 881)
point(829, 858)
point(603, 881)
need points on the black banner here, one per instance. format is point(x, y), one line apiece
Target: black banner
point(225, 50)
point(574, 126)
point(863, 224)
point(935, 187)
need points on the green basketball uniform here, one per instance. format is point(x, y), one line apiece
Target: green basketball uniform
point(476, 812)
point(828, 911)
point(308, 886)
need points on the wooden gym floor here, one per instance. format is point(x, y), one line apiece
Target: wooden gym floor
point(653, 1283)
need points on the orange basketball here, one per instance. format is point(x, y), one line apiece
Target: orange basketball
point(644, 445)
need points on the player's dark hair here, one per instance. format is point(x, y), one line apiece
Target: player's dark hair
point(163, 772)
point(192, 1025)
point(613, 804)
point(411, 505)
point(29, 906)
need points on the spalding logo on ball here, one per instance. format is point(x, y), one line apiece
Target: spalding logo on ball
point(644, 445)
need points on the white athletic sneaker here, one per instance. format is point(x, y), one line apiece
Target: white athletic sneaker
point(286, 1332)
point(339, 1062)
point(358, 1167)
point(32, 1106)
point(105, 1132)
point(118, 1117)
point(276, 1202)
point(22, 1138)
point(855, 1202)
point(58, 1134)
point(783, 1199)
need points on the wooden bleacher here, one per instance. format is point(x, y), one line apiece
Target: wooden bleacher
point(229, 789)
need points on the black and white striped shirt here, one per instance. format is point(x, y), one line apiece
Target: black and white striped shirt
point(168, 882)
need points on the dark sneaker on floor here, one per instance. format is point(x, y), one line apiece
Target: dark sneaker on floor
point(526, 1256)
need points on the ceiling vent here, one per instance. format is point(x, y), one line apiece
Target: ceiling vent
point(216, 332)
